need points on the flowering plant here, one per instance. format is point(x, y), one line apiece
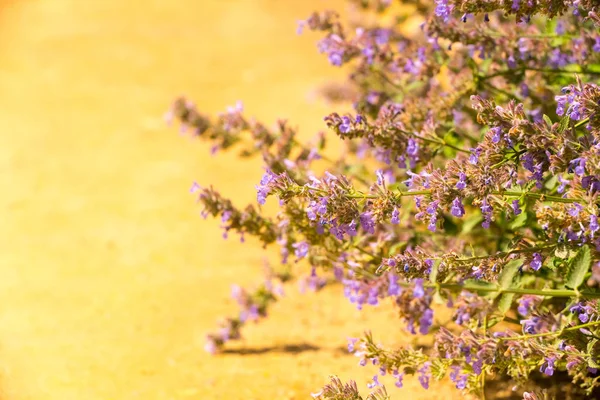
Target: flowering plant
point(469, 180)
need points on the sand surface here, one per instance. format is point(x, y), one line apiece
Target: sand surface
point(109, 277)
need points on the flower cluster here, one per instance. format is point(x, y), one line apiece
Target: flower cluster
point(469, 179)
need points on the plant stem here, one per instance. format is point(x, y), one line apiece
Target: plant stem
point(540, 196)
point(582, 122)
point(538, 36)
point(508, 193)
point(507, 253)
point(544, 70)
point(478, 288)
point(558, 333)
point(439, 141)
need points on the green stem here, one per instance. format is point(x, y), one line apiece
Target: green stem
point(582, 122)
point(557, 333)
point(508, 193)
point(539, 196)
point(538, 36)
point(507, 253)
point(543, 70)
point(439, 141)
point(490, 289)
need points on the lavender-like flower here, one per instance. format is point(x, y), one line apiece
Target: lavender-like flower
point(536, 262)
point(457, 208)
point(301, 249)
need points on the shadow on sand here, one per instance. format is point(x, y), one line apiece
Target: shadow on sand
point(287, 348)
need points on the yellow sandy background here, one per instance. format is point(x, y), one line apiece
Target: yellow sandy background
point(109, 279)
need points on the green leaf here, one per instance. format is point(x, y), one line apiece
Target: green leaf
point(434, 271)
point(592, 363)
point(579, 267)
point(481, 287)
point(505, 280)
point(518, 222)
point(591, 347)
point(564, 124)
point(548, 121)
point(471, 223)
point(551, 183)
point(509, 272)
point(493, 320)
point(505, 302)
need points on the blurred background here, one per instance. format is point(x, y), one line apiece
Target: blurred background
point(109, 277)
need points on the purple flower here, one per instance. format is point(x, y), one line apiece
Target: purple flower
point(195, 187)
point(459, 379)
point(399, 377)
point(432, 207)
point(496, 134)
point(310, 211)
point(301, 249)
point(486, 210)
point(350, 228)
point(412, 148)
point(536, 262)
point(548, 366)
point(367, 223)
point(594, 224)
point(314, 282)
point(526, 304)
point(375, 382)
point(533, 325)
point(424, 375)
point(432, 223)
point(515, 207)
point(579, 165)
point(462, 181)
point(226, 216)
point(264, 189)
point(575, 209)
point(443, 9)
point(395, 216)
point(596, 46)
point(419, 290)
point(528, 162)
point(351, 343)
point(372, 296)
point(336, 231)
point(380, 178)
point(321, 206)
point(583, 312)
point(426, 321)
point(250, 314)
point(563, 184)
point(393, 287)
point(457, 208)
point(345, 126)
point(474, 157)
